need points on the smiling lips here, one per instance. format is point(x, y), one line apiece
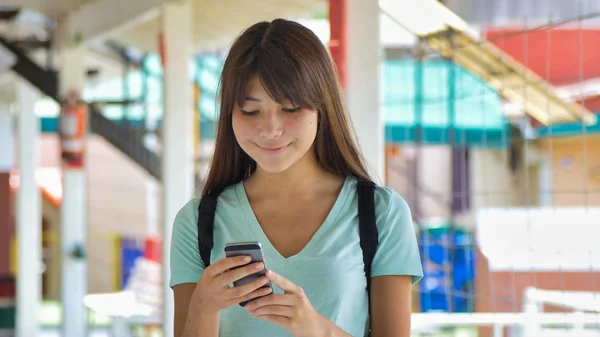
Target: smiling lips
point(273, 149)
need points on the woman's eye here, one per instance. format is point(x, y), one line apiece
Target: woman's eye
point(249, 113)
point(292, 109)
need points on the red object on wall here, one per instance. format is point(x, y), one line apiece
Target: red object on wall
point(153, 249)
point(162, 48)
point(338, 21)
point(6, 223)
point(73, 131)
point(572, 53)
point(7, 288)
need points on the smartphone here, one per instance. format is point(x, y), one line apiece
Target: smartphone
point(254, 250)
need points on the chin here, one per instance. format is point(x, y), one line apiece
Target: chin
point(274, 168)
point(277, 163)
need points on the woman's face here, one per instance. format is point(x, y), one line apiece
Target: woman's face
point(275, 135)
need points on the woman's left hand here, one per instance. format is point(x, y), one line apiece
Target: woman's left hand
point(291, 310)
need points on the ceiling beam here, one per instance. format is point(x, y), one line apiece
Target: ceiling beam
point(105, 19)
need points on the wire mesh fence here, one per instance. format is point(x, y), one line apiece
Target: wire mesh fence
point(504, 205)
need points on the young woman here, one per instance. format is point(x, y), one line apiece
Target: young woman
point(286, 165)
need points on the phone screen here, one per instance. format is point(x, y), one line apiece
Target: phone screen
point(254, 250)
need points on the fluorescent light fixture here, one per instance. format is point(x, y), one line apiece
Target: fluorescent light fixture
point(423, 17)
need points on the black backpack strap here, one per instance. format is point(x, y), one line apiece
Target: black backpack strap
point(206, 220)
point(369, 236)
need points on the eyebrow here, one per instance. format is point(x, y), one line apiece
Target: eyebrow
point(252, 99)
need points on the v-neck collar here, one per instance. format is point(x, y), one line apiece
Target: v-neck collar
point(268, 248)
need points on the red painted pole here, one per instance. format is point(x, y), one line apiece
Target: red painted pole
point(339, 37)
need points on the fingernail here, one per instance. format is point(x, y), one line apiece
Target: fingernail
point(258, 266)
point(247, 259)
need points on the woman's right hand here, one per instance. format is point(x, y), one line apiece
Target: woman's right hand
point(213, 293)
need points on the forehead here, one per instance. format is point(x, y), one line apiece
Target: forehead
point(255, 86)
point(256, 92)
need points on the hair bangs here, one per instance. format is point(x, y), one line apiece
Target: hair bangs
point(282, 77)
point(240, 83)
point(287, 82)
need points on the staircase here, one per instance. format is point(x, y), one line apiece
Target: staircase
point(131, 143)
point(45, 80)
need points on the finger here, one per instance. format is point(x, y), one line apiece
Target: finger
point(227, 263)
point(240, 272)
point(251, 296)
point(283, 283)
point(278, 310)
point(245, 289)
point(273, 299)
point(279, 320)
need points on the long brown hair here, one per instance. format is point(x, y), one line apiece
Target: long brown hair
point(293, 65)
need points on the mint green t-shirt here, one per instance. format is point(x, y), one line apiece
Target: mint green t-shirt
point(330, 268)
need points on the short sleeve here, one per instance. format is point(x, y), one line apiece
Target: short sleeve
point(186, 264)
point(398, 251)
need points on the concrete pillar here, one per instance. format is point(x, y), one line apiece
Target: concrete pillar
point(152, 214)
point(363, 90)
point(152, 193)
point(28, 215)
point(178, 138)
point(73, 231)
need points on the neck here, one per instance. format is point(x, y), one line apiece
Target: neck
point(300, 179)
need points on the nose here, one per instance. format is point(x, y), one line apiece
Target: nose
point(270, 126)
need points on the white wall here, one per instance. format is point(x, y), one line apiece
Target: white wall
point(495, 185)
point(435, 175)
point(117, 203)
